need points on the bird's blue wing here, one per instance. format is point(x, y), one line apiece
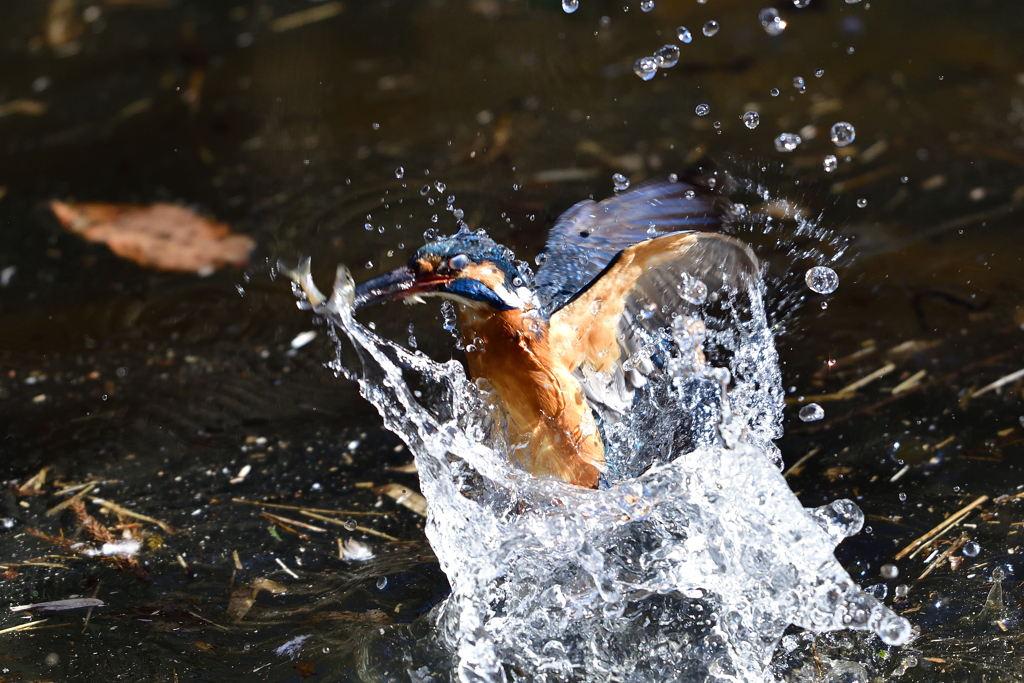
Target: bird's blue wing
point(588, 236)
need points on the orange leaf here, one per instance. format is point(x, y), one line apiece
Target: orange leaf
point(162, 236)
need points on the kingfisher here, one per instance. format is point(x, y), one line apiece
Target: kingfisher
point(567, 349)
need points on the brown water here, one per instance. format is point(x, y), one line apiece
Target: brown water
point(163, 386)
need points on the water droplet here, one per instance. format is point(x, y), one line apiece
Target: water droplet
point(433, 219)
point(861, 203)
point(620, 182)
point(689, 194)
point(903, 497)
point(831, 163)
point(971, 549)
point(824, 305)
point(684, 34)
point(902, 590)
point(822, 279)
point(541, 259)
point(350, 524)
point(646, 5)
point(399, 172)
point(998, 574)
point(811, 412)
point(819, 73)
point(368, 226)
point(846, 672)
point(645, 68)
point(889, 571)
point(774, 92)
point(382, 583)
point(595, 306)
point(570, 6)
point(787, 142)
point(667, 57)
point(772, 23)
point(800, 84)
point(430, 235)
point(439, 186)
point(673, 178)
point(842, 134)
point(692, 290)
point(702, 109)
point(750, 119)
point(711, 28)
point(801, 3)
point(425, 190)
point(368, 265)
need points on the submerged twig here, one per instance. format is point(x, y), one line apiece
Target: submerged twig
point(286, 520)
point(944, 380)
point(798, 466)
point(374, 532)
point(300, 508)
point(953, 547)
point(34, 485)
point(909, 383)
point(27, 626)
point(868, 379)
point(286, 568)
point(1002, 381)
point(88, 615)
point(117, 509)
point(924, 540)
point(78, 496)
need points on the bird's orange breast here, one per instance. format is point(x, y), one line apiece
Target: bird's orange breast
point(544, 402)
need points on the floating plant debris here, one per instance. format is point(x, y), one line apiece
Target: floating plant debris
point(162, 236)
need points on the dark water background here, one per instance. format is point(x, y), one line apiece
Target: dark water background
point(163, 386)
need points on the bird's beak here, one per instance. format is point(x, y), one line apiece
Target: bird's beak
point(398, 284)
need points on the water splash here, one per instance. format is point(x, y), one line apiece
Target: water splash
point(689, 570)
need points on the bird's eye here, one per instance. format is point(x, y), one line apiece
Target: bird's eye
point(458, 262)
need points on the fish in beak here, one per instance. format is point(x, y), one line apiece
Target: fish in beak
point(401, 283)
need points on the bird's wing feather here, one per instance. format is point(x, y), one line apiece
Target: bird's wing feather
point(588, 236)
point(623, 315)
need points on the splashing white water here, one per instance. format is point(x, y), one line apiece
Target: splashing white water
point(688, 566)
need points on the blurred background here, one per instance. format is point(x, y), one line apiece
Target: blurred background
point(329, 129)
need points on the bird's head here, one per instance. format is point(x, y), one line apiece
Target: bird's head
point(468, 268)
